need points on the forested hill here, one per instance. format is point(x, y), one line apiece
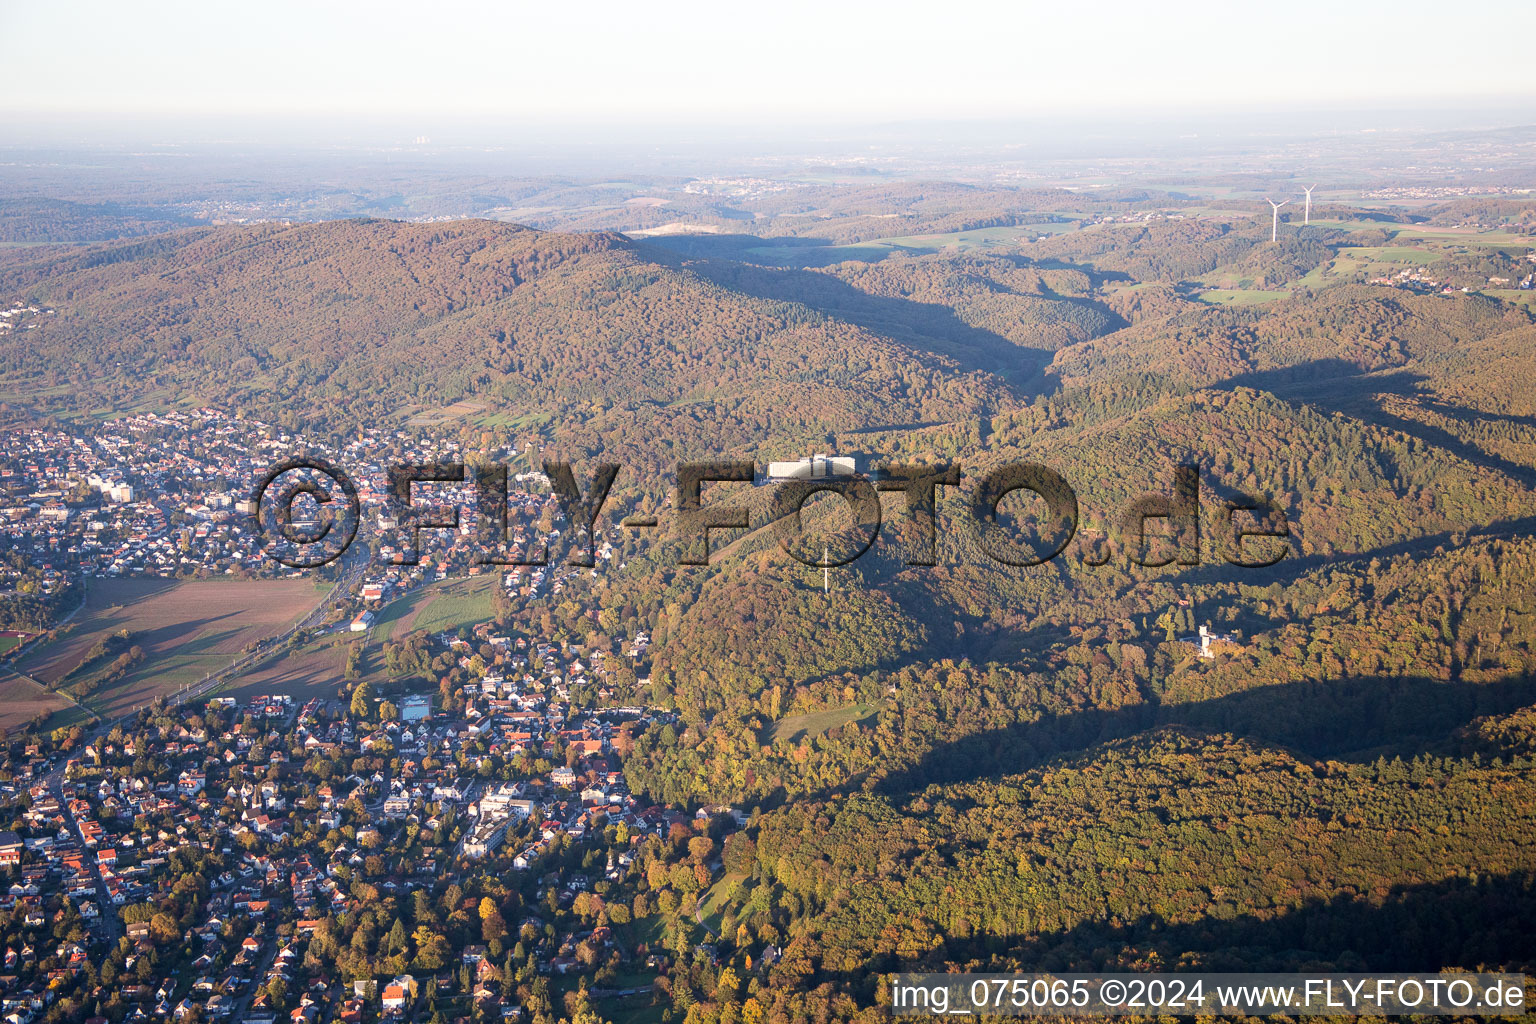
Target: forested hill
point(343, 322)
point(969, 764)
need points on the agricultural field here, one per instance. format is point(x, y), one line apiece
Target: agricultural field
point(976, 238)
point(22, 700)
point(1461, 236)
point(1384, 259)
point(312, 669)
point(420, 417)
point(316, 667)
point(1400, 254)
point(186, 630)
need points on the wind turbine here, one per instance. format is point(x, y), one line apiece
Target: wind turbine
point(1274, 227)
point(1308, 218)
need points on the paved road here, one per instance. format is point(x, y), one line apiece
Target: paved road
point(109, 923)
point(258, 978)
point(470, 796)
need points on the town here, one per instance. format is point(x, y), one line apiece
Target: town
point(253, 859)
point(464, 849)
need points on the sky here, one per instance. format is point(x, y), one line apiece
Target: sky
point(721, 62)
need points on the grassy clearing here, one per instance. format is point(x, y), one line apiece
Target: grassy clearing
point(634, 1010)
point(647, 931)
point(437, 607)
point(69, 717)
point(1515, 295)
point(1317, 277)
point(714, 900)
point(530, 421)
point(795, 728)
point(463, 409)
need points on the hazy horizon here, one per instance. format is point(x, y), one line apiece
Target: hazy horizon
point(174, 71)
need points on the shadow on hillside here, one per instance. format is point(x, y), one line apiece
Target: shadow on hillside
point(1466, 415)
point(1293, 566)
point(1452, 923)
point(1356, 719)
point(929, 326)
point(1338, 386)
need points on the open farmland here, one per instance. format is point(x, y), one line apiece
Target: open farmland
point(185, 629)
point(315, 667)
point(22, 700)
point(310, 669)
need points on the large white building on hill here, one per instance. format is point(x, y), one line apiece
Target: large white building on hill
point(815, 467)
